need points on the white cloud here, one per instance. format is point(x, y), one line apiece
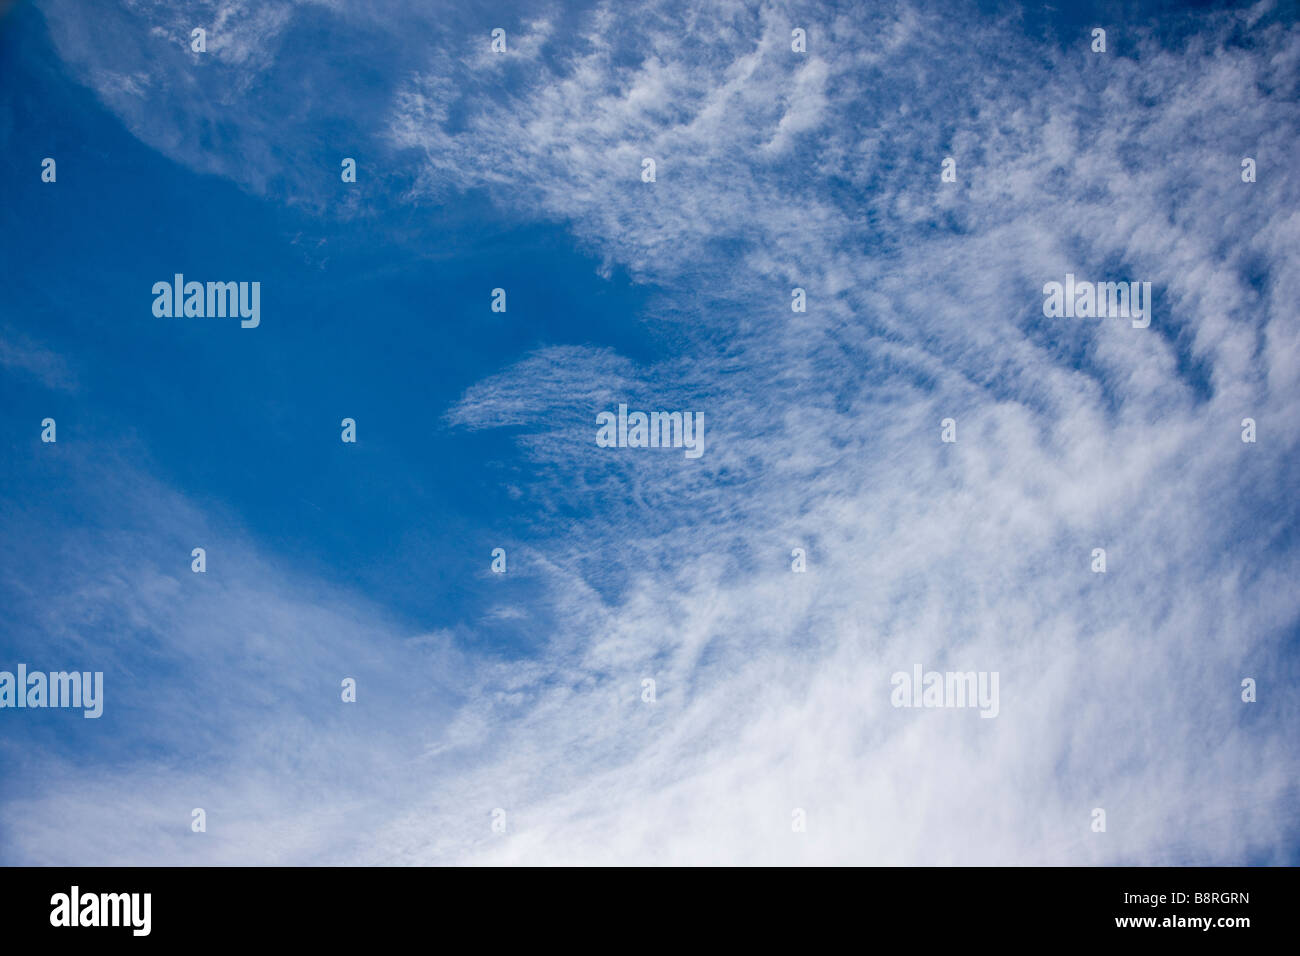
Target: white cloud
point(21, 354)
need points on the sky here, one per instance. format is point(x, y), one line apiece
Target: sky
point(502, 718)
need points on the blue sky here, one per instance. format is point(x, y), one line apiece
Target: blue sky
point(476, 430)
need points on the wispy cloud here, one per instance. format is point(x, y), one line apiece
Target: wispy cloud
point(20, 354)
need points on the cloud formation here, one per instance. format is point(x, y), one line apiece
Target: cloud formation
point(821, 171)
